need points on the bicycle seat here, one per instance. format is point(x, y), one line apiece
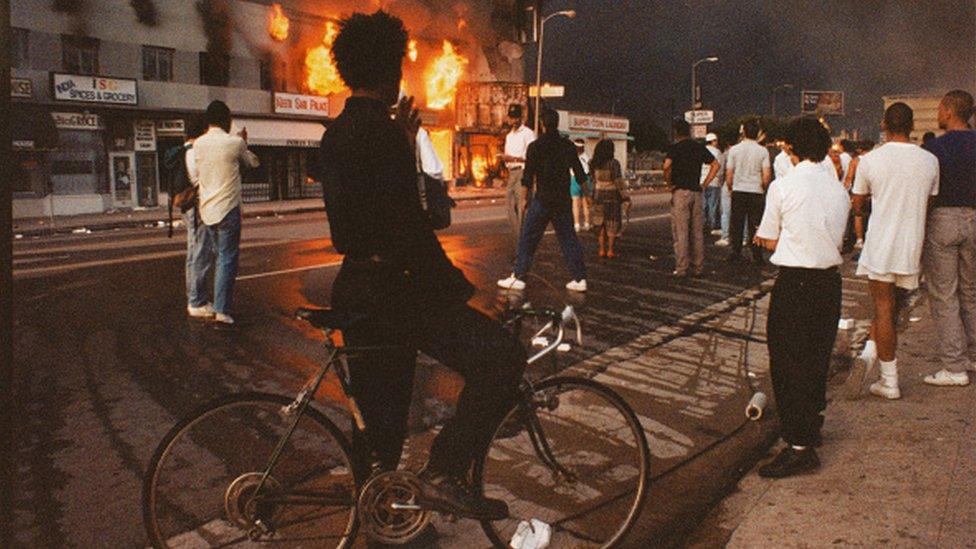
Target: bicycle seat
point(327, 318)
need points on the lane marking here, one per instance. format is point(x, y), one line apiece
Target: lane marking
point(288, 271)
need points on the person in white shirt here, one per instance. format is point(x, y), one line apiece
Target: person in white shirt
point(218, 157)
point(748, 173)
point(803, 225)
point(712, 194)
point(516, 144)
point(429, 161)
point(899, 178)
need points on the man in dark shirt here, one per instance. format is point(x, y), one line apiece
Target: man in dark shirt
point(397, 278)
point(548, 162)
point(682, 173)
point(949, 258)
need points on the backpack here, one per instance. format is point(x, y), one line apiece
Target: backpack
point(182, 192)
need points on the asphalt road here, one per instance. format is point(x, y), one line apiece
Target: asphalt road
point(106, 360)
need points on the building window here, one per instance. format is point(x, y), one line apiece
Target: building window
point(18, 48)
point(157, 64)
point(214, 70)
point(274, 74)
point(79, 54)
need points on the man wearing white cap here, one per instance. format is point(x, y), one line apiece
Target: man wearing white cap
point(712, 194)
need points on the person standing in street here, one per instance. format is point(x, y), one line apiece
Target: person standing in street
point(898, 178)
point(218, 157)
point(748, 173)
point(516, 146)
point(549, 160)
point(682, 174)
point(607, 196)
point(949, 255)
point(803, 225)
point(712, 194)
point(199, 246)
point(580, 190)
point(726, 208)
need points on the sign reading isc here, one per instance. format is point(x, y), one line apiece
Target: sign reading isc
point(95, 89)
point(596, 123)
point(308, 105)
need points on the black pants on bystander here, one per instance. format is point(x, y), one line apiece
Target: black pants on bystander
point(803, 312)
point(746, 205)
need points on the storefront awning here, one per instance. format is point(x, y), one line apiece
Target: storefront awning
point(32, 128)
point(280, 133)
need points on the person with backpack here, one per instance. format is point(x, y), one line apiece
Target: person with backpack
point(199, 244)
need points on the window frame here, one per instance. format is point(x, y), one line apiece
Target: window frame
point(75, 46)
point(155, 54)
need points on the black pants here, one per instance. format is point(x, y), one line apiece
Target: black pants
point(489, 358)
point(746, 206)
point(803, 314)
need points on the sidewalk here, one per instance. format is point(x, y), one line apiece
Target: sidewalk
point(151, 217)
point(899, 473)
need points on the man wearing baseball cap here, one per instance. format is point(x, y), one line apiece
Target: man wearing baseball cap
point(516, 144)
point(712, 194)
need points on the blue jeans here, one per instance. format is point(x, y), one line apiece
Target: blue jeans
point(226, 237)
point(710, 200)
point(199, 254)
point(726, 211)
point(537, 218)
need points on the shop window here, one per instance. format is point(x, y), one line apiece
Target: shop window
point(18, 48)
point(274, 75)
point(72, 167)
point(214, 69)
point(79, 54)
point(157, 64)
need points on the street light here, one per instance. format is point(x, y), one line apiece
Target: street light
point(538, 60)
point(776, 89)
point(694, 78)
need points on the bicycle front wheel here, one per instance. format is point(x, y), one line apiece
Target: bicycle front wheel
point(209, 484)
point(576, 458)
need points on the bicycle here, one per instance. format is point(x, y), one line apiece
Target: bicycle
point(259, 467)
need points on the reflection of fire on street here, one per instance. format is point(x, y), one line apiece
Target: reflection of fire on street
point(443, 76)
point(321, 75)
point(278, 24)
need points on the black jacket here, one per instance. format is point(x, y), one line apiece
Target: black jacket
point(548, 161)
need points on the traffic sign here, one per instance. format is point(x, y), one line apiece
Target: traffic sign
point(548, 90)
point(700, 117)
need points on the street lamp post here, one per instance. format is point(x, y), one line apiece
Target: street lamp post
point(776, 89)
point(538, 61)
point(694, 79)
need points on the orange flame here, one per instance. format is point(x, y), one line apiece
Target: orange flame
point(278, 24)
point(479, 168)
point(442, 77)
point(321, 75)
point(412, 51)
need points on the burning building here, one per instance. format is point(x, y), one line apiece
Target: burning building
point(99, 95)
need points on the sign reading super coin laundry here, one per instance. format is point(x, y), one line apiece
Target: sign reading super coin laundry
point(95, 89)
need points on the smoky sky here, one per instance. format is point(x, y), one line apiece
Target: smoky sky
point(635, 56)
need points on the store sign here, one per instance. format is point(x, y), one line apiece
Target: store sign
point(597, 123)
point(22, 88)
point(700, 117)
point(822, 102)
point(548, 90)
point(170, 128)
point(76, 121)
point(95, 89)
point(144, 132)
point(308, 105)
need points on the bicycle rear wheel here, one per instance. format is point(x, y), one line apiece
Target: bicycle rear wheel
point(578, 461)
point(205, 485)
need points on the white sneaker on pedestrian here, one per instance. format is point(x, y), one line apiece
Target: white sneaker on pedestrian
point(511, 283)
point(945, 378)
point(203, 311)
point(716, 232)
point(878, 388)
point(887, 384)
point(587, 226)
point(860, 370)
point(576, 227)
point(722, 242)
point(223, 318)
point(859, 244)
point(576, 285)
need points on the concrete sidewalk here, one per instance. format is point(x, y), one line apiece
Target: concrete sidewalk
point(897, 473)
point(152, 217)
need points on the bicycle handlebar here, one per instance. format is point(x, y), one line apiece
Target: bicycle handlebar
point(557, 320)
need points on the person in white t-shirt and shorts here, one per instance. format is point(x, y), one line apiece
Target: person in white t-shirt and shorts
point(899, 179)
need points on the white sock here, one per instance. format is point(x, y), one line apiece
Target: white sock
point(798, 448)
point(870, 350)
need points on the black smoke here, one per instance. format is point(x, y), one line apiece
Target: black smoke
point(218, 27)
point(145, 12)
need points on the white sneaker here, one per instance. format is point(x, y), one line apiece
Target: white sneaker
point(880, 389)
point(587, 226)
point(576, 227)
point(722, 242)
point(858, 245)
point(716, 232)
point(511, 283)
point(576, 285)
point(945, 378)
point(203, 311)
point(223, 318)
point(860, 371)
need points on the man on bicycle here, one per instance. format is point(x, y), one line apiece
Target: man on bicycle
point(396, 275)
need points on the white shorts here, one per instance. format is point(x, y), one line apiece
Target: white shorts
point(908, 282)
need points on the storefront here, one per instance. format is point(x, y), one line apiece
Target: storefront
point(594, 127)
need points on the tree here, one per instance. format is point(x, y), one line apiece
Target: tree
point(648, 136)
